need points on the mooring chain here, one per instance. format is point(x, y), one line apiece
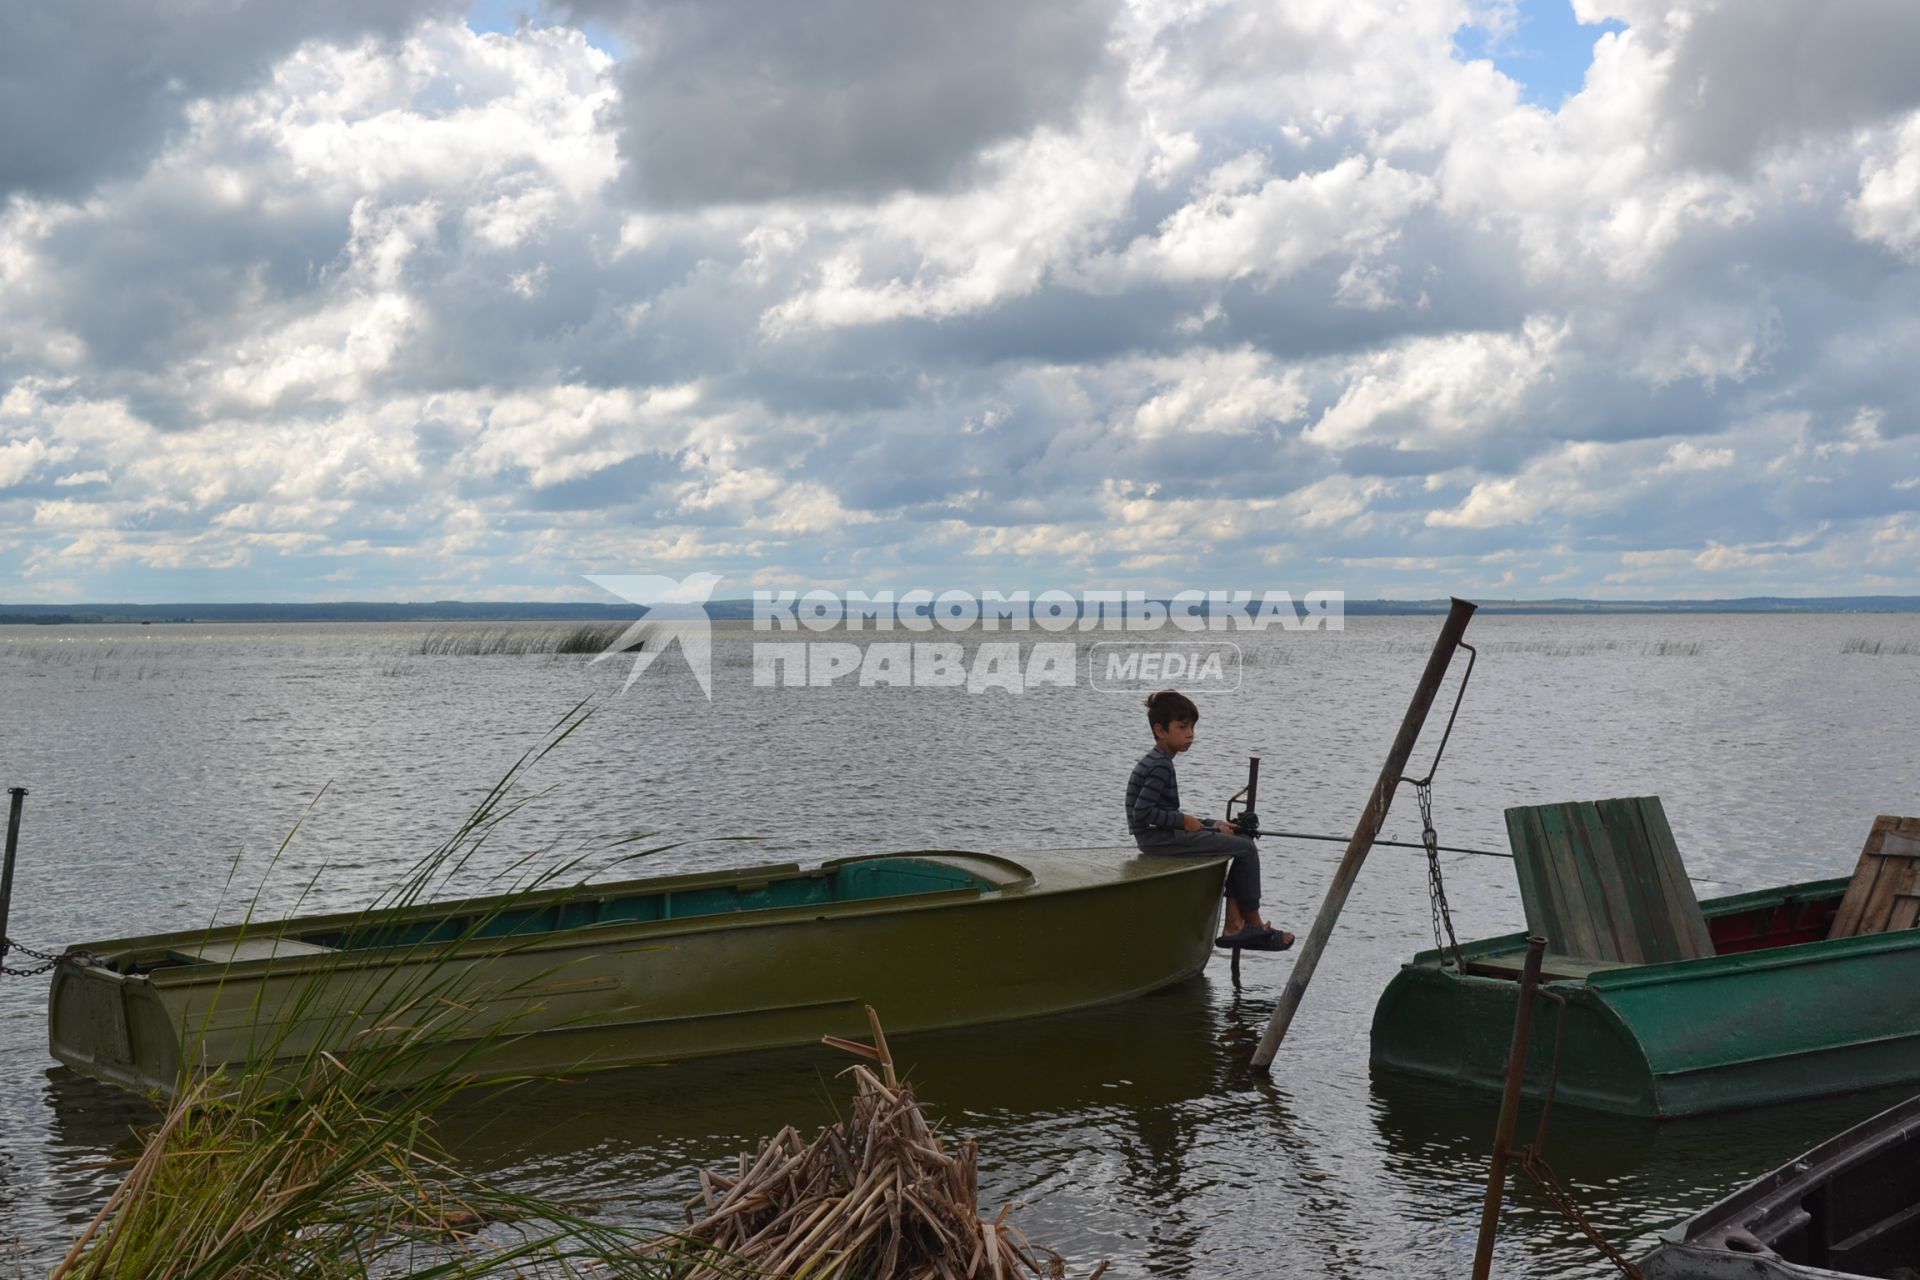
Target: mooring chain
point(8, 944)
point(1436, 886)
point(1534, 1165)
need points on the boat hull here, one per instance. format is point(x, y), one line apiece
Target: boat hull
point(1084, 928)
point(1754, 1025)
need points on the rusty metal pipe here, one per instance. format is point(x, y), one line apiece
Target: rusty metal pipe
point(18, 796)
point(1509, 1108)
point(1371, 820)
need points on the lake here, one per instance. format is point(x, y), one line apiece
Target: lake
point(168, 765)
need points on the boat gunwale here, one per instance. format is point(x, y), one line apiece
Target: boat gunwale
point(1617, 977)
point(441, 908)
point(1857, 1141)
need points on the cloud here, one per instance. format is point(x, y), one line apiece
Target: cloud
point(89, 91)
point(1727, 79)
point(1088, 294)
point(1887, 209)
point(730, 101)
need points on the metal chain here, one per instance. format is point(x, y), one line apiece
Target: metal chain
point(8, 944)
point(1436, 886)
point(1555, 1192)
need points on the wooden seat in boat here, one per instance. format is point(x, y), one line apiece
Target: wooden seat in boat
point(1602, 881)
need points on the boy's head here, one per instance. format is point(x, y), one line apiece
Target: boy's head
point(1172, 716)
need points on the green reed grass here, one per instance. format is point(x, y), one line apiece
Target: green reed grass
point(317, 1158)
point(1877, 648)
point(478, 642)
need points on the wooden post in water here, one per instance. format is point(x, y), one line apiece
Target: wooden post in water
point(16, 796)
point(1509, 1108)
point(1371, 820)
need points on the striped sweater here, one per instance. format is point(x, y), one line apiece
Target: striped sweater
point(1153, 795)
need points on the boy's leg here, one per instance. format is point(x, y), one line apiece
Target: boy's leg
point(1243, 872)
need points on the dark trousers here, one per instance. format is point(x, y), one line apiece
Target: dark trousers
point(1243, 873)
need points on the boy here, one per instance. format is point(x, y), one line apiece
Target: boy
point(1159, 827)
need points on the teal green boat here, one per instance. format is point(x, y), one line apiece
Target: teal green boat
point(606, 975)
point(1672, 1007)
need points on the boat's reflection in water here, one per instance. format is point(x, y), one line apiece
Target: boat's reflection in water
point(1631, 1178)
point(1090, 1122)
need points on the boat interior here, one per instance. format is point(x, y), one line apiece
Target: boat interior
point(1604, 883)
point(1850, 1206)
point(758, 889)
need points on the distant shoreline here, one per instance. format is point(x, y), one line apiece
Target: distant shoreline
point(722, 610)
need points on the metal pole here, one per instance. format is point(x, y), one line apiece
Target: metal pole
point(1371, 820)
point(18, 797)
point(1509, 1108)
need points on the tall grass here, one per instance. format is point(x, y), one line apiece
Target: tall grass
point(1875, 648)
point(472, 642)
point(316, 1157)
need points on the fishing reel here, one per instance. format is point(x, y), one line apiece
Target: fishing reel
point(1247, 823)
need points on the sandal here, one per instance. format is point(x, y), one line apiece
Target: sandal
point(1247, 935)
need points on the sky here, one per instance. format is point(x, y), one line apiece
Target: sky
point(422, 299)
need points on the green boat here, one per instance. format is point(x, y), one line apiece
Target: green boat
point(1673, 1007)
point(606, 975)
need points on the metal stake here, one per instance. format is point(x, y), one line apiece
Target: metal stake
point(1509, 1108)
point(18, 797)
point(1371, 820)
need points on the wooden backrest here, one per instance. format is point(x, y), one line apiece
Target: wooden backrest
point(1885, 892)
point(1601, 880)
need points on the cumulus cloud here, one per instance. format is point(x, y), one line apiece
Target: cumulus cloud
point(1729, 79)
point(759, 100)
point(88, 91)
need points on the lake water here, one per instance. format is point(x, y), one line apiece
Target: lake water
point(167, 765)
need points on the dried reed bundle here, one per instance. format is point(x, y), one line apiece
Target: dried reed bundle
point(877, 1196)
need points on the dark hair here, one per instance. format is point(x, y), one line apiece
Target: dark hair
point(1166, 706)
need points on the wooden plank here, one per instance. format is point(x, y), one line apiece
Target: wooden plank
point(1548, 908)
point(1582, 936)
point(1507, 964)
point(1900, 858)
point(1853, 906)
point(1521, 839)
point(1681, 917)
point(1644, 889)
point(1626, 932)
point(1887, 883)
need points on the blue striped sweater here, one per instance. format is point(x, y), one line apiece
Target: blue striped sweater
point(1153, 795)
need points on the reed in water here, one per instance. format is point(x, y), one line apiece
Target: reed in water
point(877, 1195)
point(324, 1169)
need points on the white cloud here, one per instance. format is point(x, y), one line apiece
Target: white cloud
point(1246, 222)
point(1887, 209)
point(1432, 390)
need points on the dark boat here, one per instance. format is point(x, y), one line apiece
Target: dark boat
point(1849, 1207)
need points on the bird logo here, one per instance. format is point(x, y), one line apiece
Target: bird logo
point(676, 610)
